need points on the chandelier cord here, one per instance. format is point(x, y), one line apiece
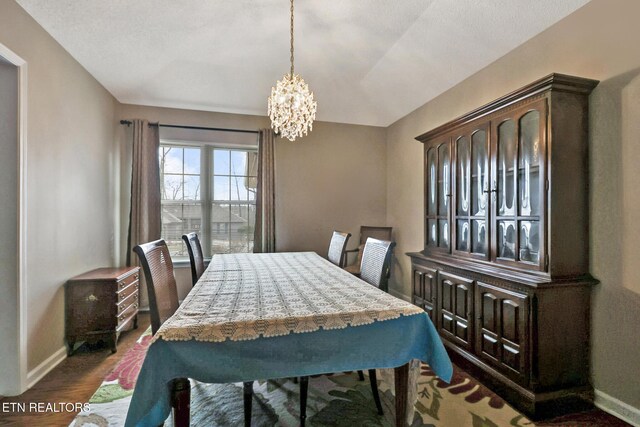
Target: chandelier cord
point(291, 38)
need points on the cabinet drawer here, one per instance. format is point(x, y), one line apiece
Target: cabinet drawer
point(124, 304)
point(127, 313)
point(123, 283)
point(124, 293)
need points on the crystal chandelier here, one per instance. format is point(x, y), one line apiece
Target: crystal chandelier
point(291, 106)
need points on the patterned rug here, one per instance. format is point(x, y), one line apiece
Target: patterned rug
point(339, 400)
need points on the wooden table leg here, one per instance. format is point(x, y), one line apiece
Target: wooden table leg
point(401, 374)
point(181, 402)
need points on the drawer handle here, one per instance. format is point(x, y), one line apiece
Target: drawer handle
point(122, 285)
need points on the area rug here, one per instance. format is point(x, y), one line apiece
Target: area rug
point(339, 400)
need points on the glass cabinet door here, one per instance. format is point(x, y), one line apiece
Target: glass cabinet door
point(438, 196)
point(519, 186)
point(471, 171)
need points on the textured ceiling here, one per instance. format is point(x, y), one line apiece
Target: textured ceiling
point(367, 61)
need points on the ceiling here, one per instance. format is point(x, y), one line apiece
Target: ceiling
point(368, 61)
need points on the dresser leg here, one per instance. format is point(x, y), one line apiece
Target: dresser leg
point(135, 322)
point(114, 342)
point(401, 374)
point(71, 341)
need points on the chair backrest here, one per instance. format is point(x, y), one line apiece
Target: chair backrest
point(337, 246)
point(380, 233)
point(375, 262)
point(161, 283)
point(195, 256)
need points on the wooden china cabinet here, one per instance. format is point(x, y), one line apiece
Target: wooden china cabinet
point(504, 274)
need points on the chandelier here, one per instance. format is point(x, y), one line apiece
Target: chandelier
point(291, 106)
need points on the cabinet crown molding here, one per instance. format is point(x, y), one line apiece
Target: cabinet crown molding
point(554, 82)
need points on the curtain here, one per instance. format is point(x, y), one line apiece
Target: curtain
point(144, 216)
point(265, 228)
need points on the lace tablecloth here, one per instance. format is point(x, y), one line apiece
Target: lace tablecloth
point(247, 296)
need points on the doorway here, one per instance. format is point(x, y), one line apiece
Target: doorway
point(12, 232)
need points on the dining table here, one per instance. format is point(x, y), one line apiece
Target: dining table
point(261, 316)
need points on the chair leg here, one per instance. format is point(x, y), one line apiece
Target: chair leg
point(181, 402)
point(248, 400)
point(360, 376)
point(374, 390)
point(304, 388)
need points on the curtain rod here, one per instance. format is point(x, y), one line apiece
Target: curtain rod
point(128, 122)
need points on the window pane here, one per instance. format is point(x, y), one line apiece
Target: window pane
point(431, 177)
point(432, 232)
point(191, 187)
point(171, 187)
point(220, 228)
point(238, 163)
point(529, 241)
point(192, 161)
point(221, 188)
point(462, 236)
point(479, 173)
point(239, 237)
point(478, 237)
point(443, 236)
point(178, 219)
point(221, 162)
point(238, 188)
point(528, 164)
point(171, 160)
point(443, 179)
point(506, 239)
point(252, 163)
point(506, 165)
point(462, 178)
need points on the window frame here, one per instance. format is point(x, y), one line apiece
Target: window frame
point(206, 199)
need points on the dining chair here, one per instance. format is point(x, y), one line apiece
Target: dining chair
point(163, 303)
point(376, 262)
point(196, 257)
point(366, 231)
point(376, 259)
point(337, 247)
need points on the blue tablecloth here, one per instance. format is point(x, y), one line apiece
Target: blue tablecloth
point(385, 344)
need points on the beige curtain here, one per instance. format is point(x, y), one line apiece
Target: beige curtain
point(265, 231)
point(144, 216)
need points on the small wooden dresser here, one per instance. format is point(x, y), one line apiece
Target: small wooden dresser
point(100, 304)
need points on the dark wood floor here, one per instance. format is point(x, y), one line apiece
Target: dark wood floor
point(73, 381)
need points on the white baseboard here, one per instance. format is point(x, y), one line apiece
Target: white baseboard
point(399, 295)
point(45, 367)
point(617, 408)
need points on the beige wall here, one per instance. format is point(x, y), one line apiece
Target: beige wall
point(334, 178)
point(599, 41)
point(69, 157)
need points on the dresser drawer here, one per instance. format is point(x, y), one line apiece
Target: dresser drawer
point(128, 301)
point(126, 292)
point(126, 281)
point(127, 313)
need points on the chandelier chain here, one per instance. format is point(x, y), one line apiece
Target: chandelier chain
point(291, 106)
point(291, 38)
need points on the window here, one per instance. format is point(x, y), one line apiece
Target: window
point(211, 190)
